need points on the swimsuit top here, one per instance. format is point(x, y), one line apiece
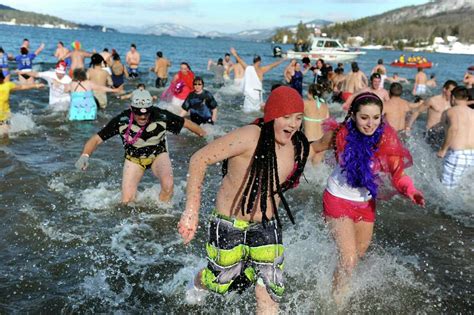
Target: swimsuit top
point(318, 105)
point(76, 94)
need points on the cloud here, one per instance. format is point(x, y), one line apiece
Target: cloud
point(157, 5)
point(298, 16)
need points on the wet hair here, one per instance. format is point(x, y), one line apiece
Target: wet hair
point(340, 65)
point(96, 59)
point(318, 89)
point(1, 50)
point(115, 56)
point(106, 49)
point(396, 89)
point(276, 85)
point(354, 66)
point(61, 43)
point(159, 54)
point(432, 76)
point(2, 77)
point(306, 60)
point(380, 62)
point(395, 73)
point(460, 93)
point(375, 75)
point(339, 70)
point(139, 85)
point(26, 40)
point(449, 83)
point(133, 45)
point(79, 74)
point(187, 65)
point(227, 55)
point(257, 58)
point(220, 61)
point(198, 79)
point(24, 50)
point(262, 181)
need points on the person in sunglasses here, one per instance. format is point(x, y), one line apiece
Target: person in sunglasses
point(142, 128)
point(200, 104)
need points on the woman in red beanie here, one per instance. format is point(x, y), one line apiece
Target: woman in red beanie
point(261, 161)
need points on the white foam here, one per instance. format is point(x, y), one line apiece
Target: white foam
point(21, 123)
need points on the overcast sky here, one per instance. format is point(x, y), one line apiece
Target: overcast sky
point(208, 15)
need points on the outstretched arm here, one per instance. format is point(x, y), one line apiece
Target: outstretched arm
point(194, 128)
point(321, 145)
point(272, 65)
point(239, 60)
point(40, 49)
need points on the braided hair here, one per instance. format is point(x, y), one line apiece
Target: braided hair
point(262, 180)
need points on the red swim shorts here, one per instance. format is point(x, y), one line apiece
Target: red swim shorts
point(335, 207)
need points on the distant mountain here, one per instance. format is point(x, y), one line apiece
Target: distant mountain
point(416, 24)
point(11, 16)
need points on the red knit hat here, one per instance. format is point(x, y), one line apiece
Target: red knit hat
point(282, 101)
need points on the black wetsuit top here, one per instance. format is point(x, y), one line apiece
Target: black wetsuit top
point(152, 141)
point(200, 107)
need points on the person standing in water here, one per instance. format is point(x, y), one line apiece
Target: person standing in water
point(161, 70)
point(218, 69)
point(77, 57)
point(457, 150)
point(142, 128)
point(364, 147)
point(100, 77)
point(238, 74)
point(133, 61)
point(260, 162)
point(253, 81)
point(119, 72)
point(25, 63)
point(420, 83)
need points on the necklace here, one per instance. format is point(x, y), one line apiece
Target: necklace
point(126, 137)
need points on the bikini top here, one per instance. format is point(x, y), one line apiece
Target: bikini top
point(318, 105)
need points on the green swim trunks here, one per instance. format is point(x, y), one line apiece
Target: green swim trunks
point(241, 253)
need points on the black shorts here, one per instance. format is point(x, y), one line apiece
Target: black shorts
point(161, 82)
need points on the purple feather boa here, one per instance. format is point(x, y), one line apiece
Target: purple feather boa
point(358, 156)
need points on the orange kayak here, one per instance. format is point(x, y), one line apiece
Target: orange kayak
point(428, 64)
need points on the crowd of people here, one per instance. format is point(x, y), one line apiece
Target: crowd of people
point(264, 159)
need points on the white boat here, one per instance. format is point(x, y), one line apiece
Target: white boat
point(328, 49)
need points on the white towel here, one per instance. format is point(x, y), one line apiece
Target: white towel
point(252, 90)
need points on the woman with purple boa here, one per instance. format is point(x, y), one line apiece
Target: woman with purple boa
point(365, 148)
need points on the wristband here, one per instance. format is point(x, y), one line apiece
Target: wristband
point(85, 154)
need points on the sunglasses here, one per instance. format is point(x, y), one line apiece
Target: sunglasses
point(140, 111)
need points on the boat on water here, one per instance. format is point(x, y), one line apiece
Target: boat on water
point(328, 49)
point(425, 65)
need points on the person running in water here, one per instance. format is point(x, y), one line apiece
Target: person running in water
point(133, 61)
point(142, 128)
point(260, 162)
point(200, 104)
point(365, 147)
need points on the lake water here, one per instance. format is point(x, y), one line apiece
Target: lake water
point(67, 245)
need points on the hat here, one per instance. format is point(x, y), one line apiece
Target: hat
point(76, 44)
point(282, 101)
point(61, 67)
point(141, 100)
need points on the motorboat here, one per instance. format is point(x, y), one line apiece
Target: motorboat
point(328, 49)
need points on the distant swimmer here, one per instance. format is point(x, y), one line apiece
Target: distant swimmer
point(374, 87)
point(296, 77)
point(5, 88)
point(161, 68)
point(379, 68)
point(143, 129)
point(238, 74)
point(57, 81)
point(26, 43)
point(227, 65)
point(4, 58)
point(431, 83)
point(355, 81)
point(396, 79)
point(420, 83)
point(133, 60)
point(396, 108)
point(119, 71)
point(99, 76)
point(61, 53)
point(253, 81)
point(25, 63)
point(77, 56)
point(200, 104)
point(218, 69)
point(458, 146)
